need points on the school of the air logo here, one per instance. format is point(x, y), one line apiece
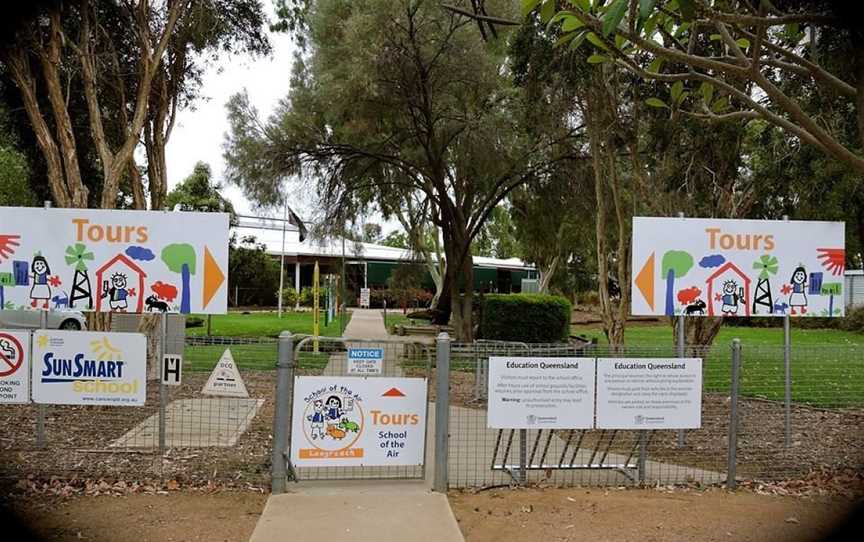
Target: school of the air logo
point(332, 423)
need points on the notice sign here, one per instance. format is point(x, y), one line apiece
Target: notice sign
point(356, 421)
point(541, 393)
point(365, 361)
point(649, 393)
point(14, 367)
point(364, 298)
point(89, 368)
point(732, 268)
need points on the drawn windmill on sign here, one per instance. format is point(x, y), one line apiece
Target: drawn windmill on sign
point(77, 254)
point(767, 266)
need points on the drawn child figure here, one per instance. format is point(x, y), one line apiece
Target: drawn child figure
point(118, 293)
point(41, 290)
point(732, 295)
point(334, 410)
point(798, 297)
point(317, 419)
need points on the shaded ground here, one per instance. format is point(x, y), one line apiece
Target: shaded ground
point(177, 516)
point(642, 515)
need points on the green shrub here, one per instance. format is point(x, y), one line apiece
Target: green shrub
point(289, 297)
point(194, 321)
point(530, 318)
point(854, 319)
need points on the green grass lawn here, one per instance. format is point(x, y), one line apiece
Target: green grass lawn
point(827, 364)
point(264, 324)
point(396, 318)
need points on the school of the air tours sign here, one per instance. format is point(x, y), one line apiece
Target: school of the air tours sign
point(113, 261)
point(356, 421)
point(717, 267)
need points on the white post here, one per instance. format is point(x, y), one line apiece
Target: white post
point(297, 282)
point(282, 262)
point(365, 274)
point(787, 373)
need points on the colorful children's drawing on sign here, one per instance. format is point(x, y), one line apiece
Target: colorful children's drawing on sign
point(96, 259)
point(736, 265)
point(332, 422)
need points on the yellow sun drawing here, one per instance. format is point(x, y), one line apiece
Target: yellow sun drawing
point(104, 350)
point(42, 341)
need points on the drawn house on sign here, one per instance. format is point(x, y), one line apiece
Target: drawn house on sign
point(123, 265)
point(727, 272)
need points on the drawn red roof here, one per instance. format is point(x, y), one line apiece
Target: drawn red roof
point(393, 392)
point(725, 267)
point(129, 263)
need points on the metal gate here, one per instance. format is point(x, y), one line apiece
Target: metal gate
point(328, 357)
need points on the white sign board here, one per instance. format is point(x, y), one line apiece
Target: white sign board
point(717, 267)
point(364, 297)
point(89, 368)
point(14, 366)
point(365, 361)
point(541, 393)
point(172, 369)
point(650, 393)
point(354, 421)
point(106, 260)
point(225, 380)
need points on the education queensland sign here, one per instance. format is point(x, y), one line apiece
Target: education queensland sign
point(89, 368)
point(720, 267)
point(14, 366)
point(649, 393)
point(357, 421)
point(113, 261)
point(541, 393)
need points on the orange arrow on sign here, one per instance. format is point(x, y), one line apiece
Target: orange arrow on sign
point(213, 276)
point(393, 392)
point(645, 281)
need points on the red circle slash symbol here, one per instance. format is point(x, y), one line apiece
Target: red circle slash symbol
point(11, 354)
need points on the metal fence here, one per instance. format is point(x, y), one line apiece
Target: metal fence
point(824, 416)
point(179, 434)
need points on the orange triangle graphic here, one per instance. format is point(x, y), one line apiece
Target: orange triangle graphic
point(213, 277)
point(392, 392)
point(645, 281)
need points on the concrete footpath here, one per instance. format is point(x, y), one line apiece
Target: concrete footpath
point(361, 510)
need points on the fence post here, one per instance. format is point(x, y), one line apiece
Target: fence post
point(732, 461)
point(442, 411)
point(787, 376)
point(281, 419)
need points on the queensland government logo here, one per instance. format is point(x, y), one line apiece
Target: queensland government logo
point(332, 423)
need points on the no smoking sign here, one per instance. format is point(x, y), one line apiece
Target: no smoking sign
point(14, 372)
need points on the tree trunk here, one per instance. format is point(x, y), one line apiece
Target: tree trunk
point(547, 274)
point(698, 331)
point(462, 299)
point(444, 307)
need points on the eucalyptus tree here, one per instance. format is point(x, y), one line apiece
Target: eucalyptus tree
point(397, 98)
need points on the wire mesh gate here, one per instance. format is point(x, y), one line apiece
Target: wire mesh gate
point(329, 357)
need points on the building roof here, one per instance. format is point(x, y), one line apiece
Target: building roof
point(271, 237)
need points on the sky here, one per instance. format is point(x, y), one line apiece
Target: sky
point(199, 133)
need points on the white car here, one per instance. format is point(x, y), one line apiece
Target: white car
point(24, 319)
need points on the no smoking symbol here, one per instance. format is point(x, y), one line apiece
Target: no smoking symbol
point(11, 354)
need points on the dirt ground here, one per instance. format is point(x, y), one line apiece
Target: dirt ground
point(175, 517)
point(495, 515)
point(642, 515)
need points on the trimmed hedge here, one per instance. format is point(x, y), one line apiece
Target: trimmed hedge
point(530, 318)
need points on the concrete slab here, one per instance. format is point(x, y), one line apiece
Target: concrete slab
point(195, 423)
point(369, 511)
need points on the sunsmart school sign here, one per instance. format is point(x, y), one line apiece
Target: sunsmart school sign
point(89, 368)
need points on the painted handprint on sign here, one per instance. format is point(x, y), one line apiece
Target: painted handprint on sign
point(8, 244)
point(833, 259)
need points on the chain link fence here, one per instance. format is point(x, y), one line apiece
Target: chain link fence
point(179, 434)
point(825, 418)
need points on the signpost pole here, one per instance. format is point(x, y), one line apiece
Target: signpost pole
point(282, 419)
point(787, 369)
point(282, 261)
point(732, 459)
point(163, 398)
point(316, 315)
point(41, 410)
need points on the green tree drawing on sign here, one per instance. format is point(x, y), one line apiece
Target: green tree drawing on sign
point(180, 258)
point(675, 264)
